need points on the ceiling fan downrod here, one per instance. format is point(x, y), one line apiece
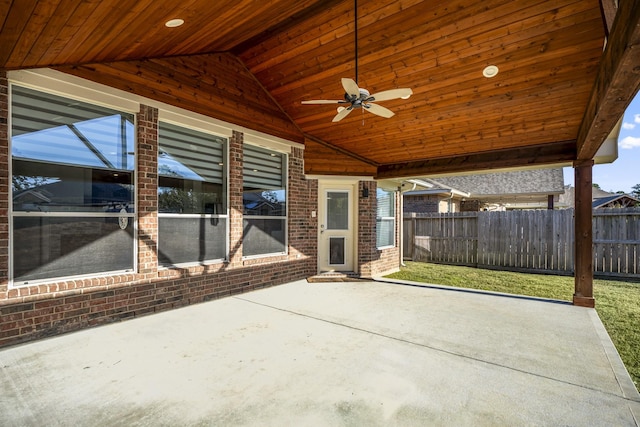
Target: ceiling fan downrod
point(355, 21)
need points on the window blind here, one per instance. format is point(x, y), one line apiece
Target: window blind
point(200, 153)
point(262, 168)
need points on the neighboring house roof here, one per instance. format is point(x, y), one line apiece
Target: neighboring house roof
point(615, 200)
point(522, 189)
point(521, 182)
point(567, 199)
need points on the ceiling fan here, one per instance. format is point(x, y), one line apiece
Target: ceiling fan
point(357, 97)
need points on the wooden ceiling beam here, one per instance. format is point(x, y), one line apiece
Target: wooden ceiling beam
point(609, 9)
point(539, 155)
point(437, 149)
point(617, 82)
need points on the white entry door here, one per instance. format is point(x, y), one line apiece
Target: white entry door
point(336, 234)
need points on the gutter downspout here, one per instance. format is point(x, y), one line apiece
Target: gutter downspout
point(401, 225)
point(449, 202)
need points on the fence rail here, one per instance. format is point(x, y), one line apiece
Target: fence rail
point(535, 240)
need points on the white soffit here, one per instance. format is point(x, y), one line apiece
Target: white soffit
point(608, 151)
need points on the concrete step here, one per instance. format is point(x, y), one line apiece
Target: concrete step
point(334, 276)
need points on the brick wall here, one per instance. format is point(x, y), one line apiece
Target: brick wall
point(470, 206)
point(367, 251)
point(303, 228)
point(235, 199)
point(31, 312)
point(423, 203)
point(147, 187)
point(371, 260)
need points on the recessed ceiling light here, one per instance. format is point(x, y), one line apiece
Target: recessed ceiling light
point(172, 23)
point(490, 71)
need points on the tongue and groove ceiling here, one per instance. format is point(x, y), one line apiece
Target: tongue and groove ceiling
point(555, 98)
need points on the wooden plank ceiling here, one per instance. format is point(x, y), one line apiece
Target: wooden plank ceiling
point(253, 62)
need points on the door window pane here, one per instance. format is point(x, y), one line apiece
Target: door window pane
point(336, 250)
point(337, 210)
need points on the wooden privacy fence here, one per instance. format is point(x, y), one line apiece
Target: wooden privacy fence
point(531, 240)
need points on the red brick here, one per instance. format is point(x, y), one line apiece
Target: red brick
point(7, 334)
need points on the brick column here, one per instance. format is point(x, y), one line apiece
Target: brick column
point(301, 201)
point(235, 199)
point(367, 205)
point(147, 189)
point(4, 184)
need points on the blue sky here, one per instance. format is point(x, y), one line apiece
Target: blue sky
point(623, 173)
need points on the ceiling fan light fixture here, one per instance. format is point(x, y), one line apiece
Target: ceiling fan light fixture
point(173, 23)
point(490, 71)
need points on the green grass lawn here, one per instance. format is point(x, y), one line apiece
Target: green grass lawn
point(617, 302)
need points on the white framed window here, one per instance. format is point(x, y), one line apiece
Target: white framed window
point(192, 196)
point(264, 199)
point(72, 188)
point(385, 218)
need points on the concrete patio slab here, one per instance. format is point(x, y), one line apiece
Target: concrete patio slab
point(362, 353)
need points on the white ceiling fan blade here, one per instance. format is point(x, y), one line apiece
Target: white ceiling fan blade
point(351, 87)
point(379, 110)
point(342, 114)
point(391, 94)
point(323, 101)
